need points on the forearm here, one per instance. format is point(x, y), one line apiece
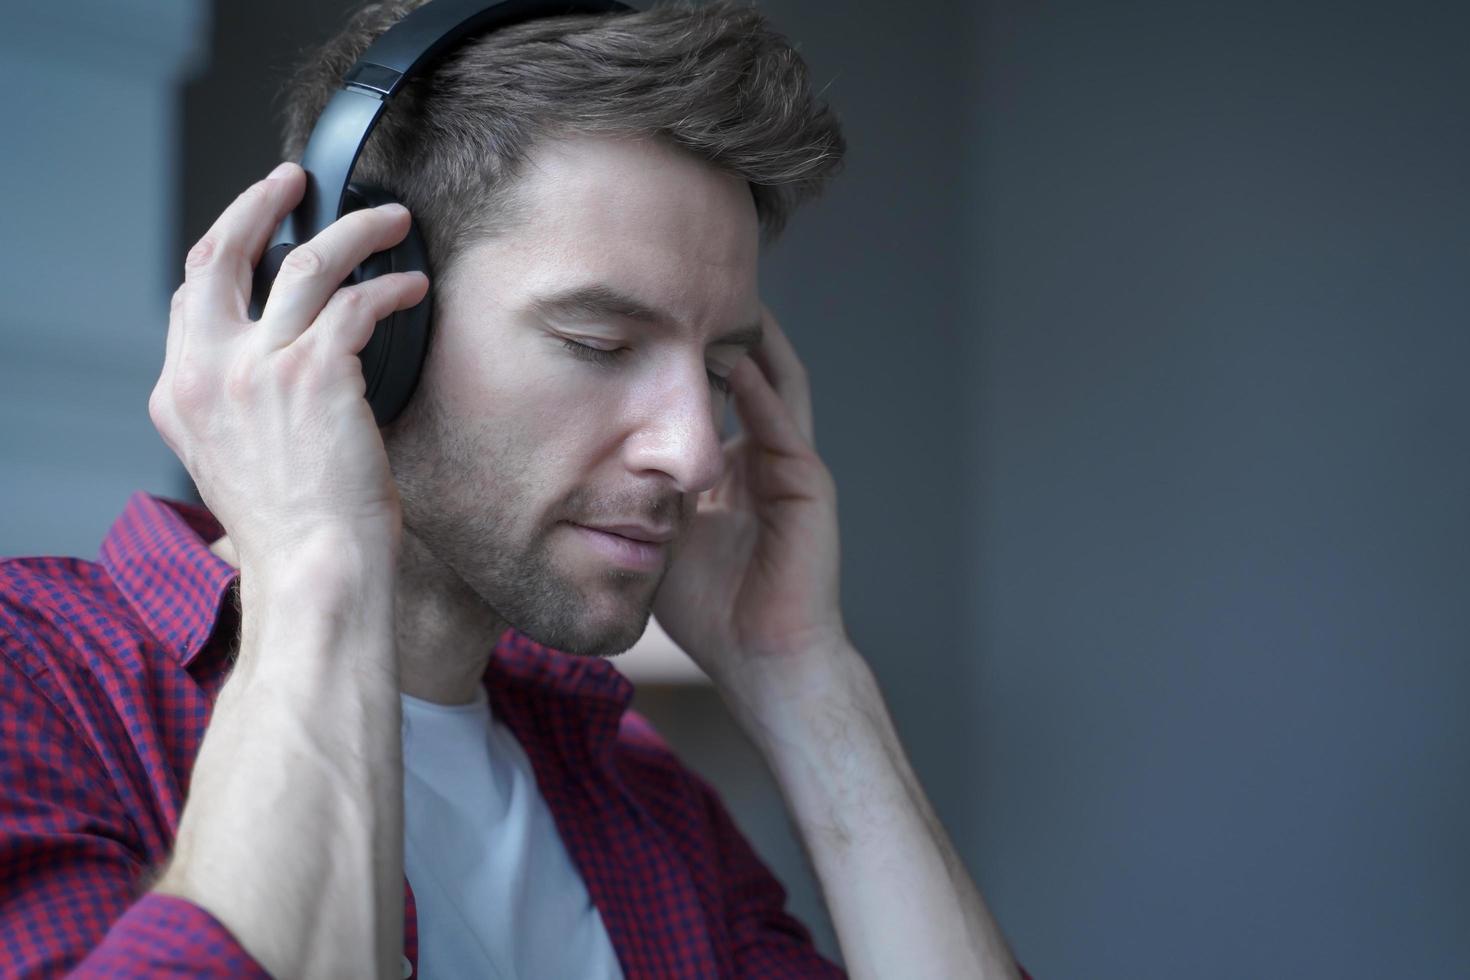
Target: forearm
point(292, 833)
point(900, 898)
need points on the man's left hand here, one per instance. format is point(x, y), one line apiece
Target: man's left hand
point(753, 587)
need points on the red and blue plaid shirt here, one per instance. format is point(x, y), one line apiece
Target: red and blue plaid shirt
point(108, 674)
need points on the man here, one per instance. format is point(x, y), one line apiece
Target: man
point(416, 685)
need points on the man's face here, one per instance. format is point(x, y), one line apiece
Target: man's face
point(514, 444)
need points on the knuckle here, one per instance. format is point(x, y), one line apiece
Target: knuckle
point(304, 260)
point(163, 416)
point(158, 405)
point(240, 380)
point(353, 303)
point(203, 252)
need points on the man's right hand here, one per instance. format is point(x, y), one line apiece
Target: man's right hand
point(268, 416)
point(292, 833)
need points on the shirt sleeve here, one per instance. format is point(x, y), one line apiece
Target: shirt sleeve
point(768, 941)
point(70, 871)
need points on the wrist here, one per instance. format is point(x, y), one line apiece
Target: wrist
point(332, 595)
point(325, 565)
point(785, 698)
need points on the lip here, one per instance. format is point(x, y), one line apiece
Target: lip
point(632, 553)
point(636, 532)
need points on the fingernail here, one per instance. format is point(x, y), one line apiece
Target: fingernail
point(392, 208)
point(280, 171)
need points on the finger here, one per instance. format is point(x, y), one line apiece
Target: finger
point(314, 271)
point(346, 323)
point(777, 357)
point(764, 415)
point(219, 268)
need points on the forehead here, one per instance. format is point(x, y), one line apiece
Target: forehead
point(640, 216)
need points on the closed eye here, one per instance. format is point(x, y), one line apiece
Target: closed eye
point(596, 354)
point(599, 356)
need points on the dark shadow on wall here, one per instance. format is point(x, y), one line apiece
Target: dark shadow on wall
point(1223, 277)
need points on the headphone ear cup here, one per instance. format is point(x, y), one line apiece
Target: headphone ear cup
point(394, 356)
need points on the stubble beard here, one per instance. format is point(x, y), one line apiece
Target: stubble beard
point(476, 536)
point(528, 592)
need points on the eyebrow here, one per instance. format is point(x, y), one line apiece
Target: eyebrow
point(598, 301)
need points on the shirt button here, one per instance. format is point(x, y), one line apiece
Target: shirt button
point(407, 969)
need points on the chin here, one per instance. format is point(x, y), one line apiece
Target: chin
point(593, 640)
point(566, 604)
point(605, 631)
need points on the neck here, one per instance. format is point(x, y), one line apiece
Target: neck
point(445, 632)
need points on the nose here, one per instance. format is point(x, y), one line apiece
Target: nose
point(678, 431)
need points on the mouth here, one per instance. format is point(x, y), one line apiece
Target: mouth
point(621, 549)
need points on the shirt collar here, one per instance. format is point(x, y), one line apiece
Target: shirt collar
point(520, 667)
point(157, 553)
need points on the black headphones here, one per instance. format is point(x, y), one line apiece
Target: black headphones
point(394, 355)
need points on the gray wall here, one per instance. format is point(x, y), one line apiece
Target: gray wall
point(1222, 274)
point(90, 176)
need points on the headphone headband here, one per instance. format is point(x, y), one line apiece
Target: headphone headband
point(405, 50)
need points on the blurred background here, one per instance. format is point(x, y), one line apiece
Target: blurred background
point(1138, 334)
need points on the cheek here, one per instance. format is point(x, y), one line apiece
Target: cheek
point(530, 424)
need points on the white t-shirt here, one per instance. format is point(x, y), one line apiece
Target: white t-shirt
point(496, 892)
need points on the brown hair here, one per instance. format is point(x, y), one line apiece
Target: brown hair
point(714, 79)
